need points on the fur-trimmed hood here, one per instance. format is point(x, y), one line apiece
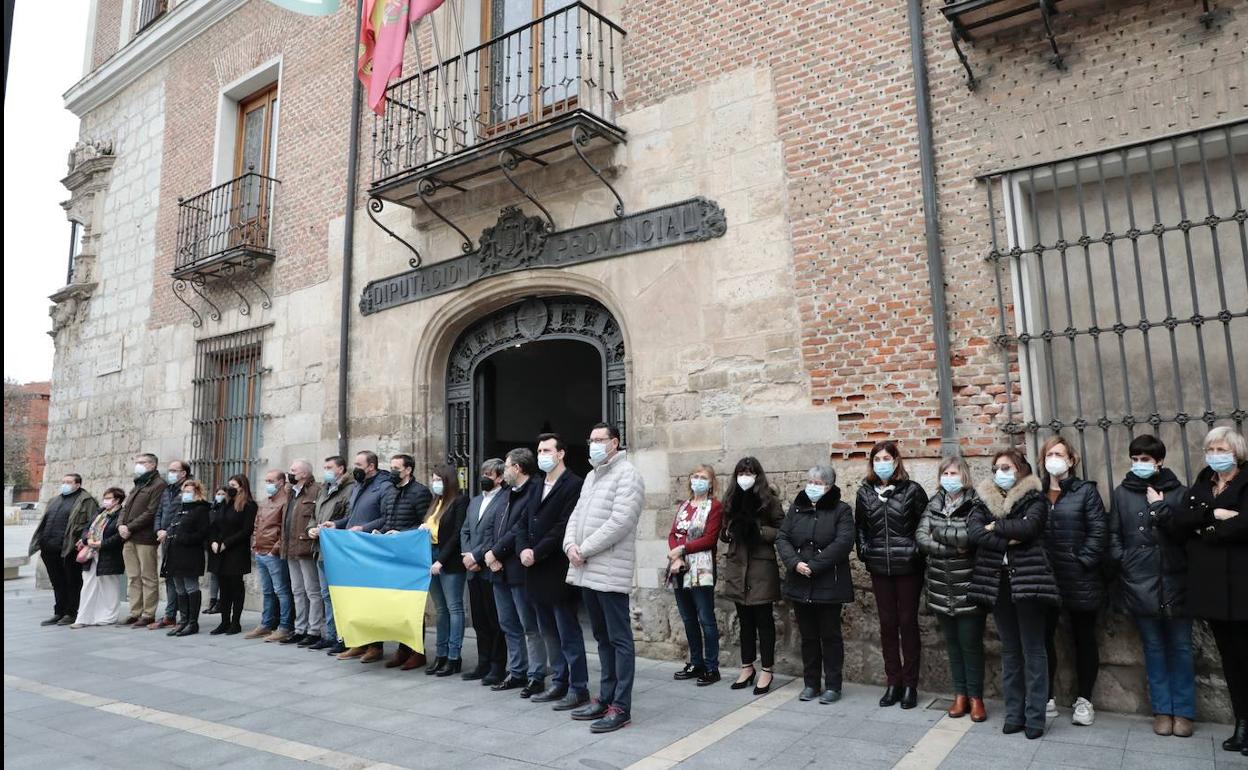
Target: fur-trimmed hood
point(1001, 504)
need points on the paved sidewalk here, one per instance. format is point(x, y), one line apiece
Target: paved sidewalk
point(114, 697)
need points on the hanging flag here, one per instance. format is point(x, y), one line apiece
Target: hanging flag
point(383, 34)
point(308, 7)
point(378, 585)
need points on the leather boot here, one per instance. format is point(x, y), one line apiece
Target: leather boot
point(182, 615)
point(1239, 739)
point(224, 625)
point(961, 705)
point(909, 697)
point(192, 627)
point(400, 657)
point(452, 667)
point(213, 607)
point(414, 660)
point(438, 663)
point(891, 696)
point(978, 712)
point(236, 616)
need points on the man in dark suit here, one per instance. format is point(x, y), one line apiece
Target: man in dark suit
point(475, 538)
point(539, 539)
point(526, 652)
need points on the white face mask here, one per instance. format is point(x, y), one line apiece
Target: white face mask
point(745, 482)
point(597, 453)
point(1056, 466)
point(437, 488)
point(139, 469)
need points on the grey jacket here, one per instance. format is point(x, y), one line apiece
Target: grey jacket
point(476, 537)
point(604, 527)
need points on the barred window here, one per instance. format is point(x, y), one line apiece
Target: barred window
point(226, 423)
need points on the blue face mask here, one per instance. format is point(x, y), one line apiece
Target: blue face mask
point(700, 486)
point(172, 477)
point(547, 463)
point(329, 477)
point(1144, 470)
point(270, 488)
point(188, 497)
point(1004, 479)
point(884, 469)
point(1220, 461)
point(67, 489)
point(219, 498)
point(597, 453)
point(951, 484)
point(437, 488)
point(815, 491)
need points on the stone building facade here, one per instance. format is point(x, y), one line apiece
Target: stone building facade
point(771, 149)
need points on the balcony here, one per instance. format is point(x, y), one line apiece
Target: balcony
point(149, 12)
point(224, 241)
point(533, 95)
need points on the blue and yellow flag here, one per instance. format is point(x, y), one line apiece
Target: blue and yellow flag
point(378, 585)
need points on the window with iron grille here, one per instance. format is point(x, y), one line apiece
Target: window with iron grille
point(226, 422)
point(150, 11)
point(1122, 286)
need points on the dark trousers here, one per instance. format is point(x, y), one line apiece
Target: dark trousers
point(758, 633)
point(1087, 656)
point(565, 644)
point(1231, 637)
point(65, 573)
point(491, 647)
point(823, 647)
point(1024, 661)
point(964, 640)
point(897, 604)
point(613, 630)
point(697, 612)
point(230, 597)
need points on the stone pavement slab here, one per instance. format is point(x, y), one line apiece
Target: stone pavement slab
point(115, 697)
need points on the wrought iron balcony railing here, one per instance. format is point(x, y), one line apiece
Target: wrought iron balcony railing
point(557, 71)
point(226, 227)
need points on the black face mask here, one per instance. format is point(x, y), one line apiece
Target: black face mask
point(290, 479)
point(487, 484)
point(396, 477)
point(358, 475)
point(230, 492)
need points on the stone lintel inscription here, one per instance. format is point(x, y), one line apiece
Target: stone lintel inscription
point(520, 242)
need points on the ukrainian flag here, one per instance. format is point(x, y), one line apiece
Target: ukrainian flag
point(378, 585)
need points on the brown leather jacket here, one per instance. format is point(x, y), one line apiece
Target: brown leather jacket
point(138, 512)
point(267, 538)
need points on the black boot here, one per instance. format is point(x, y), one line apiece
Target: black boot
point(909, 697)
point(180, 616)
point(451, 667)
point(224, 625)
point(236, 616)
point(213, 607)
point(437, 665)
point(891, 696)
point(1239, 739)
point(192, 626)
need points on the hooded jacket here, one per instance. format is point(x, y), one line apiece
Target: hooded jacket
point(1146, 546)
point(822, 535)
point(944, 540)
point(1015, 546)
point(749, 570)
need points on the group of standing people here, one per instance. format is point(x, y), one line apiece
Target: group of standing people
point(536, 542)
point(1026, 546)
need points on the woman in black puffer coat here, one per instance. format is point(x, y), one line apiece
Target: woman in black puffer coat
point(1013, 577)
point(814, 544)
point(184, 555)
point(1077, 540)
point(944, 540)
point(887, 513)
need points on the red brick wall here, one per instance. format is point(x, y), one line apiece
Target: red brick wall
point(107, 31)
point(35, 430)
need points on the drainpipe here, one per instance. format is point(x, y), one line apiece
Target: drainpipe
point(931, 221)
point(348, 243)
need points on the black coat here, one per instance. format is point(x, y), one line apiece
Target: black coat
point(1146, 546)
point(232, 529)
point(885, 528)
point(108, 559)
point(1217, 551)
point(1077, 539)
point(944, 540)
point(520, 506)
point(405, 507)
point(1018, 517)
point(184, 541)
point(822, 535)
point(447, 550)
point(542, 530)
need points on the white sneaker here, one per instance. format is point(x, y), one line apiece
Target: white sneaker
point(1050, 709)
point(1084, 713)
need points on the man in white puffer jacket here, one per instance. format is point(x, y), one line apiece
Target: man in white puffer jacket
point(600, 542)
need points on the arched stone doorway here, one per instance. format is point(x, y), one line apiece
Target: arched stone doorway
point(542, 364)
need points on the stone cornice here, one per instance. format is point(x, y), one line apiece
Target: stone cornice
point(149, 48)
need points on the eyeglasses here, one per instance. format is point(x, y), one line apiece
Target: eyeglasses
point(593, 440)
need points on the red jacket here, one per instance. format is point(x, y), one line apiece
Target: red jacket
point(709, 538)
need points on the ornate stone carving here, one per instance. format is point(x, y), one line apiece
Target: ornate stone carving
point(88, 150)
point(512, 243)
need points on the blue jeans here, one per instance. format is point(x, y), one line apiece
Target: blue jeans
point(697, 610)
point(1171, 669)
point(613, 630)
point(447, 591)
point(565, 645)
point(331, 631)
point(278, 600)
point(526, 653)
